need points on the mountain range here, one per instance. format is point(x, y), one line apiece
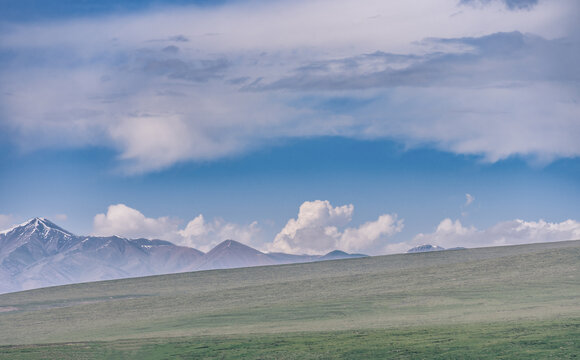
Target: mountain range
point(39, 253)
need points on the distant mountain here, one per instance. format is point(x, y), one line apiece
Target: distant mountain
point(232, 254)
point(337, 255)
point(39, 253)
point(27, 243)
point(425, 248)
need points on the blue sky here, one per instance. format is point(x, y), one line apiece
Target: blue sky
point(298, 126)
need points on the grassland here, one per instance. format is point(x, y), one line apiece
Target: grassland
point(507, 302)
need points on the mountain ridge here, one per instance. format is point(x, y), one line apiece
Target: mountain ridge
point(39, 253)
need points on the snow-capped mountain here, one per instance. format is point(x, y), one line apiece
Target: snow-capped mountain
point(29, 242)
point(39, 253)
point(425, 248)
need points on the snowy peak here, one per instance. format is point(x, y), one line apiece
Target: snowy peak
point(40, 225)
point(37, 230)
point(29, 223)
point(30, 242)
point(425, 248)
point(45, 225)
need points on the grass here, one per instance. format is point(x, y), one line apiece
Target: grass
point(525, 340)
point(508, 302)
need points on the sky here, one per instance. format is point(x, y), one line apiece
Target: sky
point(294, 126)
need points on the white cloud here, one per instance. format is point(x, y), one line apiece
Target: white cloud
point(469, 199)
point(367, 234)
point(124, 221)
point(319, 228)
point(451, 234)
point(239, 80)
point(205, 235)
point(462, 120)
point(156, 139)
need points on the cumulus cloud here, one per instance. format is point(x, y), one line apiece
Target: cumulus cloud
point(320, 228)
point(203, 83)
point(363, 237)
point(451, 234)
point(125, 221)
point(205, 235)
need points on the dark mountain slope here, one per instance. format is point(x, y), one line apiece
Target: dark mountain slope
point(337, 255)
point(232, 254)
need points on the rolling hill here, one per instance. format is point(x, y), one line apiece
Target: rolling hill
point(503, 302)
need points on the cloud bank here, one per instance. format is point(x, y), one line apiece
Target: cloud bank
point(122, 220)
point(450, 234)
point(488, 78)
point(318, 229)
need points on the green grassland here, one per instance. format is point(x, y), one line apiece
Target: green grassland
point(503, 302)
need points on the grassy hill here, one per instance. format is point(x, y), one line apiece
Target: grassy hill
point(512, 302)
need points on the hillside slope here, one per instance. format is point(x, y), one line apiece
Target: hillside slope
point(537, 282)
